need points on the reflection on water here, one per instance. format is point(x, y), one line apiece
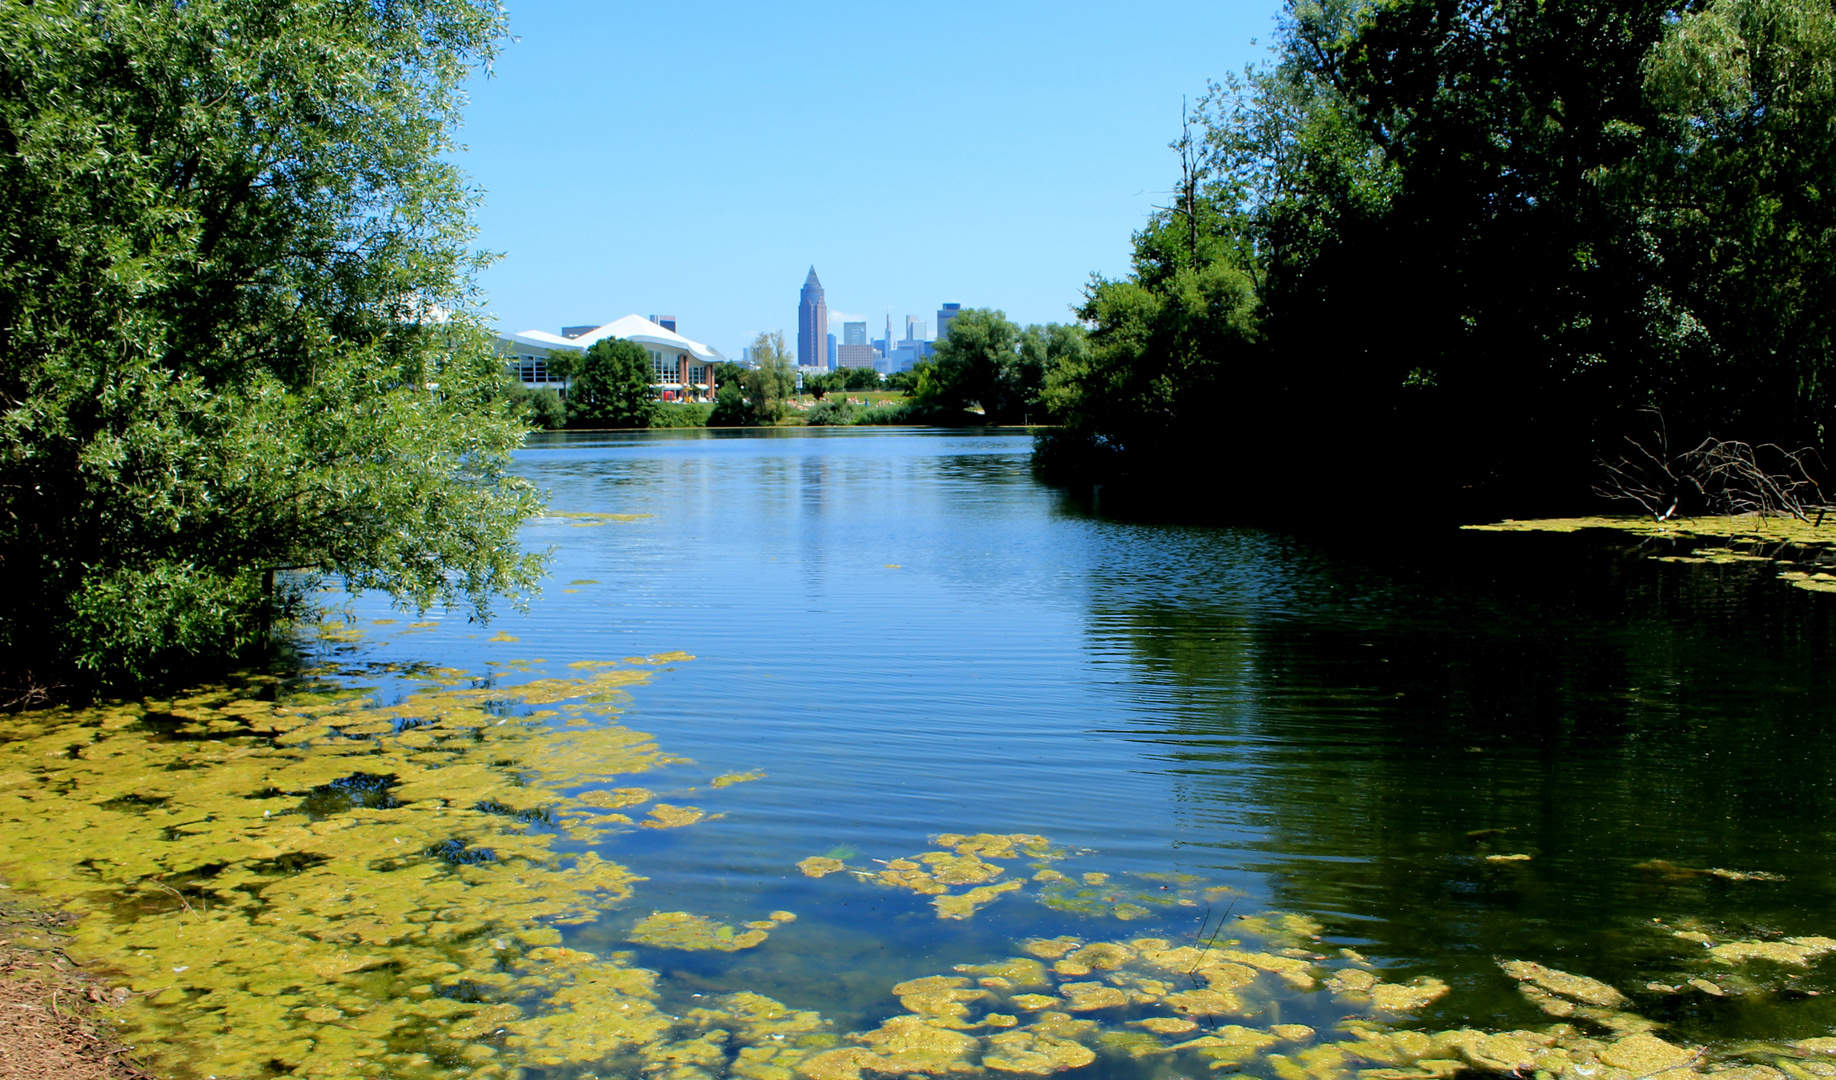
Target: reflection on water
point(1354, 727)
point(1450, 750)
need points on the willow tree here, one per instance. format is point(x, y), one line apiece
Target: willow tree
point(236, 327)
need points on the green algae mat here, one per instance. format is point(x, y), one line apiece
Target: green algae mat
point(340, 881)
point(1804, 552)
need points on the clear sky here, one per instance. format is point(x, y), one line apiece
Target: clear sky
point(695, 158)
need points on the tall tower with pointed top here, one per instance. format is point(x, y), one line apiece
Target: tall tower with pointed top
point(812, 324)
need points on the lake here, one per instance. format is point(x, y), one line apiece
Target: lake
point(1448, 749)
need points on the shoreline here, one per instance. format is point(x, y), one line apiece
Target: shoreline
point(53, 1026)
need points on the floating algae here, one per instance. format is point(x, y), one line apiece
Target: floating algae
point(396, 911)
point(955, 1026)
point(1036, 1053)
point(666, 816)
point(1015, 971)
point(1802, 550)
point(729, 779)
point(1670, 871)
point(1799, 951)
point(963, 905)
point(616, 798)
point(320, 884)
point(681, 930)
point(1575, 987)
point(965, 860)
point(940, 999)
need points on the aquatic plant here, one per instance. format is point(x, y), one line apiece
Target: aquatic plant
point(318, 883)
point(269, 930)
point(1803, 551)
point(681, 930)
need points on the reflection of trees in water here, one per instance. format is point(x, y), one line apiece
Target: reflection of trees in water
point(1347, 727)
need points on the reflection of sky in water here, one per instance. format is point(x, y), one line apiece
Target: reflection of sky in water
point(911, 636)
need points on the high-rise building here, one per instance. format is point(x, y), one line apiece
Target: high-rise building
point(915, 328)
point(831, 352)
point(812, 324)
point(854, 333)
point(944, 315)
point(856, 356)
point(667, 322)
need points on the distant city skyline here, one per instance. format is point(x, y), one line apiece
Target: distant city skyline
point(713, 229)
point(853, 348)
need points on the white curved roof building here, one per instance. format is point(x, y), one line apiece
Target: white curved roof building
point(677, 364)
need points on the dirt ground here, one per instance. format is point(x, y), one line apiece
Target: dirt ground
point(48, 1021)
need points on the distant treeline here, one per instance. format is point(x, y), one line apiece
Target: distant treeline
point(1452, 253)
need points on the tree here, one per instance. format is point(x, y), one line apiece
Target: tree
point(236, 332)
point(1055, 354)
point(1729, 213)
point(609, 384)
point(771, 379)
point(823, 382)
point(978, 363)
point(992, 363)
point(541, 408)
point(726, 372)
point(860, 378)
point(905, 382)
point(1492, 228)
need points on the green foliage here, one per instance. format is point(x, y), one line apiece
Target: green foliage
point(1732, 185)
point(235, 289)
point(726, 372)
point(609, 386)
point(540, 408)
point(832, 413)
point(770, 381)
point(859, 379)
point(989, 362)
point(906, 382)
point(1492, 227)
point(730, 409)
point(821, 383)
point(1161, 359)
point(681, 414)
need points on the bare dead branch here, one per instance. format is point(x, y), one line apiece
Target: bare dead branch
point(1718, 476)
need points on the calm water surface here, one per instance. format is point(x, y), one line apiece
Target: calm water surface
point(910, 636)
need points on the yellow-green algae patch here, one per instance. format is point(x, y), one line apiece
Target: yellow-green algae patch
point(320, 885)
point(666, 816)
point(681, 930)
point(966, 860)
point(325, 886)
point(729, 779)
point(1805, 551)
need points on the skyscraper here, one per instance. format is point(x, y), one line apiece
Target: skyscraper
point(944, 315)
point(812, 324)
point(854, 352)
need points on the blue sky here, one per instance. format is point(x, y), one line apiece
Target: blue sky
point(696, 158)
